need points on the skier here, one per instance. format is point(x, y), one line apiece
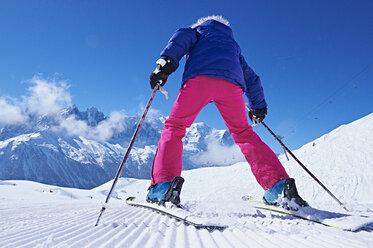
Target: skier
point(215, 71)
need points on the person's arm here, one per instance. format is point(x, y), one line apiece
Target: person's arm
point(254, 89)
point(179, 44)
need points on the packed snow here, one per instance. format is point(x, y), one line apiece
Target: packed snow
point(40, 215)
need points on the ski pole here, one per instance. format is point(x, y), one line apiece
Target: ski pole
point(302, 165)
point(120, 169)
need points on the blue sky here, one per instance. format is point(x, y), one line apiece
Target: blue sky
point(315, 58)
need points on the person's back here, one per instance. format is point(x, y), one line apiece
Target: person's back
point(210, 50)
point(215, 54)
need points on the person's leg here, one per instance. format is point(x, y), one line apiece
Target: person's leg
point(264, 163)
point(193, 96)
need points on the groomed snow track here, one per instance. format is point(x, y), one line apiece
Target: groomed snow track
point(63, 225)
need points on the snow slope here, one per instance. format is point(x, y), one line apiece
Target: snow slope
point(342, 160)
point(39, 215)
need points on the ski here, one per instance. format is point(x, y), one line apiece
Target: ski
point(343, 221)
point(177, 214)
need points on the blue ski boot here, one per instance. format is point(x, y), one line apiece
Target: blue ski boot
point(284, 194)
point(166, 192)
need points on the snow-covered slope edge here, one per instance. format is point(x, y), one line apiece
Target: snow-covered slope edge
point(342, 160)
point(39, 215)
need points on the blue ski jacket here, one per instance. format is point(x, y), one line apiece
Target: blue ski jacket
point(211, 50)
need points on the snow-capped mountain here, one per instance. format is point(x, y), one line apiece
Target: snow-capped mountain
point(83, 149)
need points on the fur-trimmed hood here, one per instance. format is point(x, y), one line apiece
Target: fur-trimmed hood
point(218, 18)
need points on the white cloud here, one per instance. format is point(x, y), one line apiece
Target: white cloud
point(43, 97)
point(73, 127)
point(47, 96)
point(102, 132)
point(106, 128)
point(10, 113)
point(152, 112)
point(218, 155)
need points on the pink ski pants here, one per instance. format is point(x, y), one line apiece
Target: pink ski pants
point(228, 98)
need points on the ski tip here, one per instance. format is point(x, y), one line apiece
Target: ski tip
point(216, 228)
point(131, 198)
point(247, 198)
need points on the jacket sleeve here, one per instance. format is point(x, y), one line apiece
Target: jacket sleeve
point(179, 44)
point(254, 89)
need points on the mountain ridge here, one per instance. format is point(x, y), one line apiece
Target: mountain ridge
point(49, 149)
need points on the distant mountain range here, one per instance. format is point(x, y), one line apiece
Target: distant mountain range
point(40, 150)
